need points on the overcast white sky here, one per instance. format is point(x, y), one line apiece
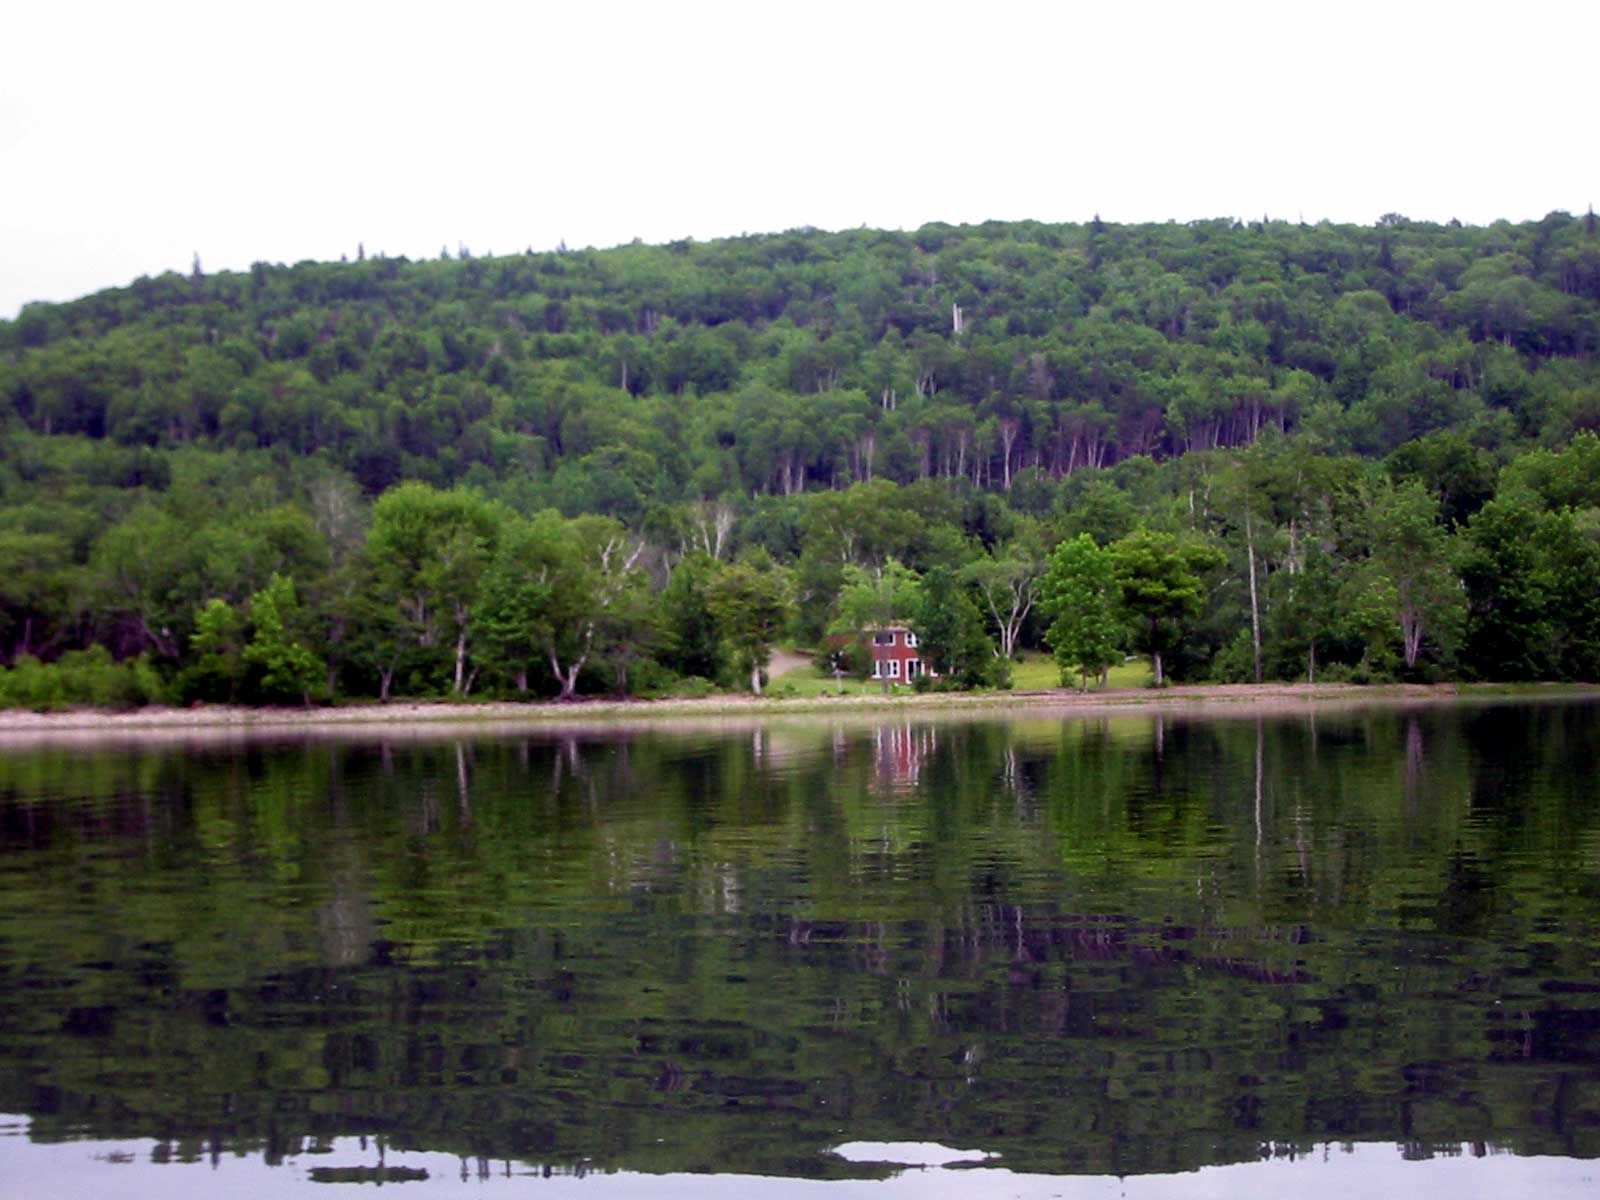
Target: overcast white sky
point(133, 135)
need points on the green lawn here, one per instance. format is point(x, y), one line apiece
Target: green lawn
point(810, 681)
point(1038, 671)
point(1035, 672)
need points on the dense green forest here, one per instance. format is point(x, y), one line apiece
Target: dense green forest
point(1263, 450)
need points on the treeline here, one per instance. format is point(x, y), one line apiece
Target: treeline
point(1368, 448)
point(1270, 562)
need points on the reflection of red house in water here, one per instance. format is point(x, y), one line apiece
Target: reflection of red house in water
point(900, 751)
point(895, 655)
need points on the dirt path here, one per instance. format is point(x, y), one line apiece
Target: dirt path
point(784, 661)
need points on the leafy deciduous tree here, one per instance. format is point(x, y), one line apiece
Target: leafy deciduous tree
point(287, 667)
point(1411, 551)
point(752, 602)
point(1158, 575)
point(950, 634)
point(1080, 593)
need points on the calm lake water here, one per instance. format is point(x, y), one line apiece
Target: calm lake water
point(1142, 956)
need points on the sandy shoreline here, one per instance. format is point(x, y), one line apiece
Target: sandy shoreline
point(1212, 699)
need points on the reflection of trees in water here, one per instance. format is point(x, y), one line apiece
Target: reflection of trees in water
point(463, 789)
point(345, 920)
point(1416, 760)
point(1253, 928)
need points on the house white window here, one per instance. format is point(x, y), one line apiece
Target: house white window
point(894, 668)
point(913, 667)
point(883, 638)
point(911, 638)
point(877, 668)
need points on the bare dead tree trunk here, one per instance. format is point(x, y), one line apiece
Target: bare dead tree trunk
point(568, 679)
point(461, 661)
point(1411, 633)
point(1255, 603)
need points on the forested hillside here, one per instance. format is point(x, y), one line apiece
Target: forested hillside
point(1328, 448)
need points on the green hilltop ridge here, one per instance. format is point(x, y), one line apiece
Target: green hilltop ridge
point(1249, 450)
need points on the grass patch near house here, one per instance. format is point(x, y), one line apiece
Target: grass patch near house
point(1033, 672)
point(810, 680)
point(1037, 672)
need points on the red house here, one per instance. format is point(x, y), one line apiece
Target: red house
point(895, 655)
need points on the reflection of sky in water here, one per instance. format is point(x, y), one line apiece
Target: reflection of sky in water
point(909, 1154)
point(107, 1170)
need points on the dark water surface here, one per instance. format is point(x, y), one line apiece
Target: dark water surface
point(1334, 954)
